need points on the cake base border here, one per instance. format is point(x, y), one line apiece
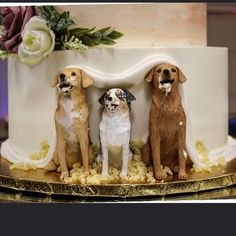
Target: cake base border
point(119, 190)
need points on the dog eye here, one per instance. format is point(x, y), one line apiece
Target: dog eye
point(173, 70)
point(73, 74)
point(159, 71)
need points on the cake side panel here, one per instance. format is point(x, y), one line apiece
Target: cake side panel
point(32, 102)
point(206, 70)
point(155, 24)
point(31, 106)
point(207, 90)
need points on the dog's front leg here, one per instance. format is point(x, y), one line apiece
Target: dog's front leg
point(182, 153)
point(61, 150)
point(125, 160)
point(84, 147)
point(158, 172)
point(104, 159)
point(155, 145)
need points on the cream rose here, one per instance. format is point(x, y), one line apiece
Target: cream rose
point(38, 41)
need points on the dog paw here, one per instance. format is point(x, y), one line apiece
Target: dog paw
point(64, 174)
point(123, 174)
point(105, 173)
point(182, 175)
point(160, 175)
point(168, 170)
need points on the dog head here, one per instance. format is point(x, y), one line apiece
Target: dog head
point(69, 78)
point(165, 76)
point(117, 99)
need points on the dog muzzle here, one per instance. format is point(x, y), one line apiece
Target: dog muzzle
point(112, 106)
point(64, 88)
point(166, 85)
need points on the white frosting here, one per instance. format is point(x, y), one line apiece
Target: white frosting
point(32, 102)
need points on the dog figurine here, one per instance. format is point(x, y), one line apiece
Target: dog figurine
point(115, 126)
point(167, 122)
point(71, 121)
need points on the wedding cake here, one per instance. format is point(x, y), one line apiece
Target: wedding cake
point(153, 34)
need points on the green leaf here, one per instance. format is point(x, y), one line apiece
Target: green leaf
point(79, 31)
point(87, 41)
point(103, 30)
point(115, 35)
point(107, 41)
point(96, 42)
point(96, 35)
point(60, 23)
point(64, 15)
point(109, 31)
point(47, 11)
point(70, 22)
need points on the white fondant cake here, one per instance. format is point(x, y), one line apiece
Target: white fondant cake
point(32, 102)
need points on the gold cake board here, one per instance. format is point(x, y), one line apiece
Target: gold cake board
point(51, 186)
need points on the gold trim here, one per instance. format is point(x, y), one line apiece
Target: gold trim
point(27, 181)
point(119, 190)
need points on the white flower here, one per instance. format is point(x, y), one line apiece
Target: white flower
point(74, 44)
point(38, 41)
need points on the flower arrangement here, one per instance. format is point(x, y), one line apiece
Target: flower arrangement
point(34, 32)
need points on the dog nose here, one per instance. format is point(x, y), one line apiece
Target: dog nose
point(166, 72)
point(62, 77)
point(109, 98)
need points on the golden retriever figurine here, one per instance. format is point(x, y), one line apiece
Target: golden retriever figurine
point(71, 121)
point(167, 123)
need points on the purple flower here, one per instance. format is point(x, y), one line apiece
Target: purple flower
point(14, 20)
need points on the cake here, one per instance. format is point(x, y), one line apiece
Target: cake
point(153, 34)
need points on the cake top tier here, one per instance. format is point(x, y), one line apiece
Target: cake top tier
point(154, 24)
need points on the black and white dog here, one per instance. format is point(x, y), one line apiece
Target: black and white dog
point(115, 126)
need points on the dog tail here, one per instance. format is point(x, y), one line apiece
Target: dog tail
point(146, 154)
point(51, 166)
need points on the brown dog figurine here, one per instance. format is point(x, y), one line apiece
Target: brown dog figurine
point(167, 122)
point(71, 121)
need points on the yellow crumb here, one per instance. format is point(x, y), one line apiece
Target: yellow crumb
point(137, 171)
point(199, 168)
point(42, 153)
point(206, 164)
point(23, 166)
point(136, 146)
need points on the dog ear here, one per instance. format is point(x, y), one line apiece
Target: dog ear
point(182, 78)
point(86, 79)
point(54, 82)
point(101, 99)
point(129, 96)
point(149, 76)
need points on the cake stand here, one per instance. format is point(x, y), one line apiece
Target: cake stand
point(24, 186)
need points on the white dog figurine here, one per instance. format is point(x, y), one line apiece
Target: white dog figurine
point(115, 126)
